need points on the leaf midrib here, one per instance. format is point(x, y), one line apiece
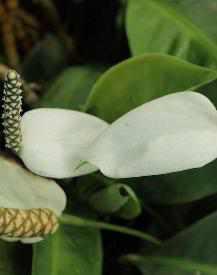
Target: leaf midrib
point(186, 25)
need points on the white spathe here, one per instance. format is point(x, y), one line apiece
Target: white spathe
point(54, 140)
point(173, 133)
point(23, 190)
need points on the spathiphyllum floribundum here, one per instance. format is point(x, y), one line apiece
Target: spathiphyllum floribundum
point(173, 133)
point(29, 204)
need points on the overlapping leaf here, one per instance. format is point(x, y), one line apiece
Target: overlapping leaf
point(70, 251)
point(182, 28)
point(192, 251)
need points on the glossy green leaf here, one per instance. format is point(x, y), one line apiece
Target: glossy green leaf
point(193, 251)
point(184, 28)
point(71, 251)
point(141, 79)
point(181, 187)
point(71, 88)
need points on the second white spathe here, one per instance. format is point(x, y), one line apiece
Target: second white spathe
point(173, 133)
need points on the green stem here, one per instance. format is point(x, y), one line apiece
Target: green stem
point(77, 221)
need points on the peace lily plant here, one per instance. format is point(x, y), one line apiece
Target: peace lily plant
point(169, 134)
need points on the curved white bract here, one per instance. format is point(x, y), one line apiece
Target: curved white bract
point(173, 133)
point(54, 141)
point(20, 189)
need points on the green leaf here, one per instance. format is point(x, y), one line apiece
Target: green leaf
point(141, 79)
point(193, 251)
point(71, 88)
point(172, 266)
point(70, 251)
point(14, 259)
point(184, 28)
point(181, 187)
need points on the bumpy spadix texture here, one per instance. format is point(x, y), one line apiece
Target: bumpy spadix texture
point(169, 134)
point(12, 109)
point(20, 223)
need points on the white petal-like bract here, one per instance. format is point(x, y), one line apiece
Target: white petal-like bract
point(53, 141)
point(173, 133)
point(23, 190)
point(20, 189)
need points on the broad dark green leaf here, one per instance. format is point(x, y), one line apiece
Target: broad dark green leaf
point(191, 252)
point(184, 28)
point(71, 88)
point(181, 187)
point(138, 80)
point(141, 79)
point(14, 259)
point(70, 251)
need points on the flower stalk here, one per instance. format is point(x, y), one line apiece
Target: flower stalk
point(67, 219)
point(12, 108)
